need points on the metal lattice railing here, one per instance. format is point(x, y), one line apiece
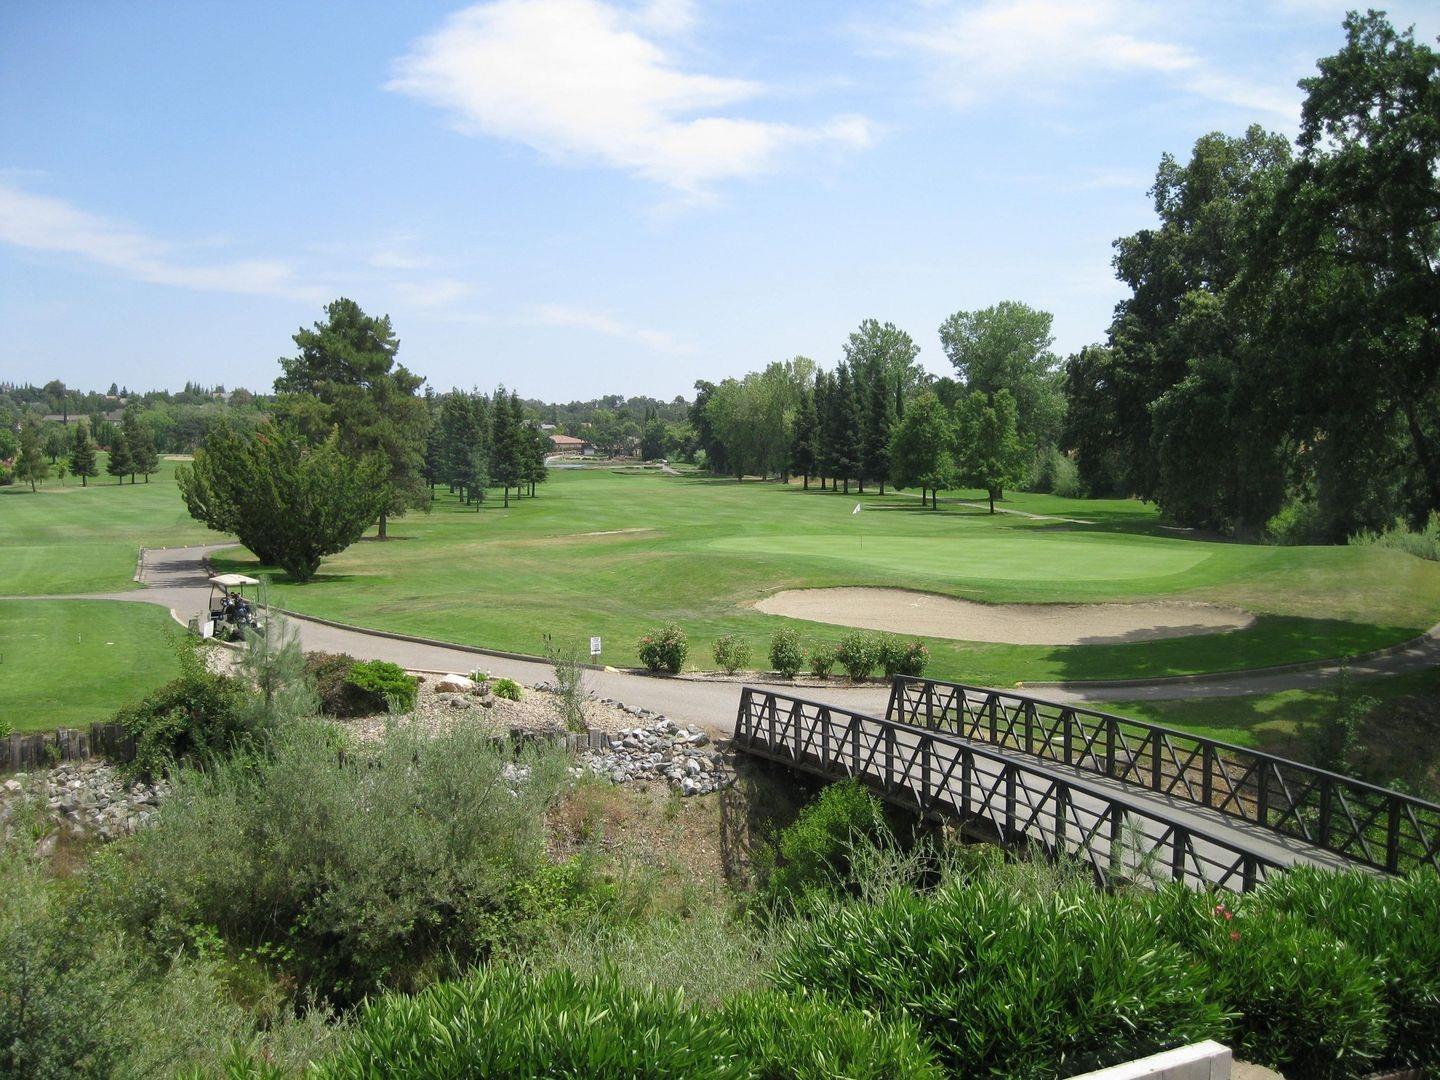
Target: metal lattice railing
point(994, 794)
point(1384, 829)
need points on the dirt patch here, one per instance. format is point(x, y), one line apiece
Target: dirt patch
point(930, 615)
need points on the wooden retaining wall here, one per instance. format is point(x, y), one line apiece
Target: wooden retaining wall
point(24, 751)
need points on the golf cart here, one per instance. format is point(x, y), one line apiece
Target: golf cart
point(234, 607)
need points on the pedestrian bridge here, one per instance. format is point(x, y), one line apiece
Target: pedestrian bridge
point(1126, 798)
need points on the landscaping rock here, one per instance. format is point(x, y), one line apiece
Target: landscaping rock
point(661, 751)
point(82, 798)
point(454, 684)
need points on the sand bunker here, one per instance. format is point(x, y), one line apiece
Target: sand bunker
point(928, 615)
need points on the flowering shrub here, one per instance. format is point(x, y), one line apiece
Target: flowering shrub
point(786, 655)
point(731, 653)
point(858, 654)
point(903, 657)
point(664, 649)
point(822, 659)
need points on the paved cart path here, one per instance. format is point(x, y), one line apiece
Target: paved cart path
point(175, 578)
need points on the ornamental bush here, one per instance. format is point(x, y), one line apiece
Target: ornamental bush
point(664, 649)
point(822, 659)
point(786, 655)
point(731, 653)
point(501, 1022)
point(1004, 984)
point(858, 654)
point(338, 695)
point(898, 657)
point(383, 685)
point(1390, 920)
point(509, 689)
point(195, 715)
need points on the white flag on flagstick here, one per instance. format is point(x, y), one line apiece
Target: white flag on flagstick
point(856, 510)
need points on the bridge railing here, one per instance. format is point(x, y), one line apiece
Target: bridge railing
point(997, 794)
point(1384, 829)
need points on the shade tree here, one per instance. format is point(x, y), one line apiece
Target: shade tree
point(922, 448)
point(288, 499)
point(345, 377)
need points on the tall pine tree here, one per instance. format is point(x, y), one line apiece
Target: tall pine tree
point(118, 465)
point(82, 453)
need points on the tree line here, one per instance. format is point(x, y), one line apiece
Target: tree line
point(1276, 366)
point(475, 442)
point(879, 418)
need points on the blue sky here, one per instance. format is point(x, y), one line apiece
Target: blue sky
point(588, 196)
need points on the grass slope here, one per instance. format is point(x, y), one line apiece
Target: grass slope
point(615, 555)
point(69, 662)
point(71, 539)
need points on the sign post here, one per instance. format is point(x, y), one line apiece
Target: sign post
point(594, 647)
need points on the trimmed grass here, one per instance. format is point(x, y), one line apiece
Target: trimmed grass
point(617, 555)
point(69, 539)
point(66, 663)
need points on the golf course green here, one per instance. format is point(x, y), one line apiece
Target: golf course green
point(615, 555)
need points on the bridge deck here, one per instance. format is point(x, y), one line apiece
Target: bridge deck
point(1119, 830)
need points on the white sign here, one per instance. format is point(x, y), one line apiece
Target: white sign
point(594, 646)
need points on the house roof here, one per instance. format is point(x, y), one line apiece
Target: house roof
point(567, 440)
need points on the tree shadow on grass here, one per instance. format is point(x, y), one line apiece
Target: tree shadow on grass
point(1272, 640)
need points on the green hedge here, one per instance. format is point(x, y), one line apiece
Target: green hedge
point(501, 1022)
point(1006, 985)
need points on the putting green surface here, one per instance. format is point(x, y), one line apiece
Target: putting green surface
point(66, 663)
point(600, 553)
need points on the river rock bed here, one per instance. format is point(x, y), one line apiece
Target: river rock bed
point(681, 756)
point(83, 798)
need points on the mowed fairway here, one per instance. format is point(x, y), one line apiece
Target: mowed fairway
point(616, 555)
point(69, 539)
point(69, 662)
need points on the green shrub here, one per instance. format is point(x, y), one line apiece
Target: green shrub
point(822, 659)
point(365, 867)
point(1052, 472)
point(1299, 521)
point(192, 716)
point(808, 1038)
point(858, 654)
point(1008, 985)
point(815, 848)
point(1393, 922)
point(899, 657)
point(665, 649)
point(502, 1023)
point(384, 685)
point(1423, 544)
point(338, 695)
point(1308, 1004)
point(508, 689)
point(6, 728)
point(786, 655)
point(731, 653)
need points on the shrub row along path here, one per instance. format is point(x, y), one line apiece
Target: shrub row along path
point(176, 578)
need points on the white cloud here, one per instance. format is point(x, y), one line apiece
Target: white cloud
point(1042, 48)
point(586, 319)
point(584, 80)
point(46, 223)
